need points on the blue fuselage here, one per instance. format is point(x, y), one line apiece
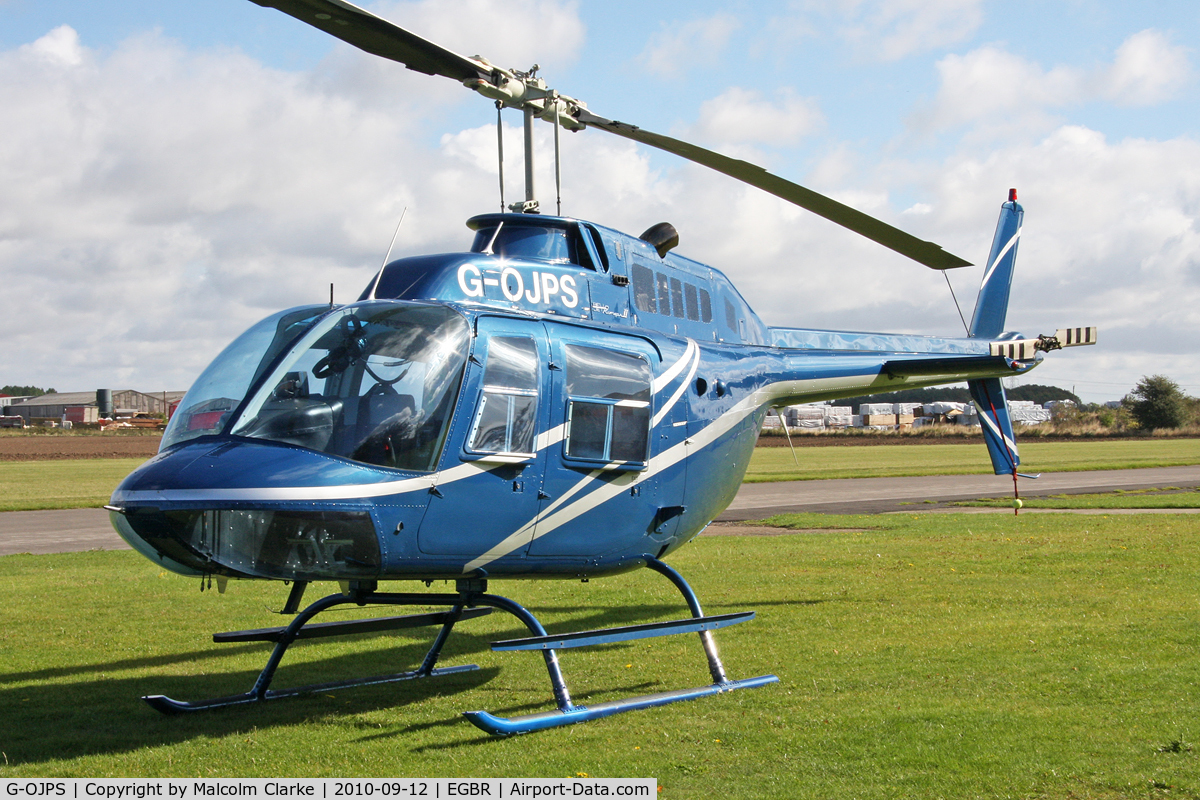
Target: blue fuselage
point(509, 412)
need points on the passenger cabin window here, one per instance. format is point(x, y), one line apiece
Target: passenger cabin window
point(692, 299)
point(656, 293)
point(644, 297)
point(506, 421)
point(664, 294)
point(731, 317)
point(677, 297)
point(608, 406)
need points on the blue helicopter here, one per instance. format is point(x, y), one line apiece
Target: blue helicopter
point(561, 401)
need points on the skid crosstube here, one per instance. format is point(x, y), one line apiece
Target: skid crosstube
point(166, 705)
point(283, 638)
point(472, 600)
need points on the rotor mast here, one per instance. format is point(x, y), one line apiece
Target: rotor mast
point(529, 93)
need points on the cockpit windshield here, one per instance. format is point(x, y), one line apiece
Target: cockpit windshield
point(207, 406)
point(374, 382)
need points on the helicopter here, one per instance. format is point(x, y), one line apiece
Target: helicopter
point(560, 401)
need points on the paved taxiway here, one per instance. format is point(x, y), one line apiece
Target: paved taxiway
point(89, 528)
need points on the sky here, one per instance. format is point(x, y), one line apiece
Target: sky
point(172, 172)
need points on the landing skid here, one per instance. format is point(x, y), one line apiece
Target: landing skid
point(464, 605)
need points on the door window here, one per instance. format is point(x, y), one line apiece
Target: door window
point(608, 405)
point(506, 421)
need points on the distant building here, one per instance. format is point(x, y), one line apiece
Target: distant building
point(126, 403)
point(7, 400)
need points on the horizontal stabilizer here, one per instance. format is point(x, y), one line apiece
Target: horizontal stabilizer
point(965, 367)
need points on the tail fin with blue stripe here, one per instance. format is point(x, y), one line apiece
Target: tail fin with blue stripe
point(988, 394)
point(991, 307)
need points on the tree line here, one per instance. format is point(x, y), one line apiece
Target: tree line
point(25, 391)
point(1157, 402)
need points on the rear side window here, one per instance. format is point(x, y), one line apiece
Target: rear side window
point(608, 406)
point(677, 297)
point(692, 299)
point(644, 294)
point(664, 294)
point(731, 317)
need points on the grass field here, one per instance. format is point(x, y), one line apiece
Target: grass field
point(918, 655)
point(1167, 498)
point(866, 461)
point(84, 483)
point(88, 483)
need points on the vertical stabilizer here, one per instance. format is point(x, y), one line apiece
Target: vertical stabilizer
point(992, 306)
point(988, 394)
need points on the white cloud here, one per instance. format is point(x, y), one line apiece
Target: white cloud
point(1110, 239)
point(1148, 69)
point(991, 84)
point(1001, 92)
point(513, 34)
point(159, 200)
point(882, 30)
point(744, 115)
point(892, 29)
point(59, 46)
point(679, 47)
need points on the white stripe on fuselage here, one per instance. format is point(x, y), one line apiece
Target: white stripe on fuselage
point(353, 491)
point(542, 522)
point(557, 513)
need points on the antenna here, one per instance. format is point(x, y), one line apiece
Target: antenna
point(491, 242)
point(387, 255)
point(557, 157)
point(946, 274)
point(500, 148)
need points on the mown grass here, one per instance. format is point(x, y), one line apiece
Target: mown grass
point(32, 485)
point(86, 483)
point(1167, 498)
point(866, 461)
point(922, 656)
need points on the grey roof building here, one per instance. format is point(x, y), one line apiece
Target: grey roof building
point(125, 402)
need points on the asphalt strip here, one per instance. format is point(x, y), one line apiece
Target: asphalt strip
point(82, 529)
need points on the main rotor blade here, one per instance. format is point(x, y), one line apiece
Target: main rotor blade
point(927, 253)
point(376, 35)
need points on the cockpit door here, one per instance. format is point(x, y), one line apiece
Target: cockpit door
point(487, 492)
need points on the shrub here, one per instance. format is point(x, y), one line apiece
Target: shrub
point(1157, 402)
